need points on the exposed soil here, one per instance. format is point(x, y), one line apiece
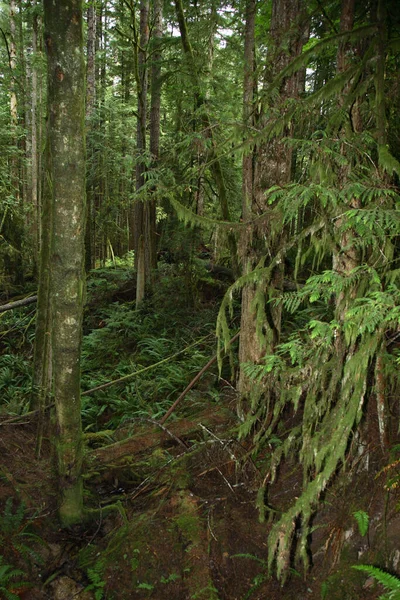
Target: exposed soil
point(184, 524)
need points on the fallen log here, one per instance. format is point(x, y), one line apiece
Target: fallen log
point(149, 438)
point(18, 303)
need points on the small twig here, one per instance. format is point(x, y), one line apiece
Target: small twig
point(226, 481)
point(223, 444)
point(209, 526)
point(98, 527)
point(141, 489)
point(213, 469)
point(28, 414)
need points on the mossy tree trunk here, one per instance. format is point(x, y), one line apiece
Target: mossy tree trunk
point(269, 164)
point(42, 367)
point(35, 140)
point(90, 259)
point(66, 176)
point(141, 212)
point(382, 141)
point(248, 336)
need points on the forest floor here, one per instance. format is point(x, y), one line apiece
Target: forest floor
point(184, 523)
point(175, 505)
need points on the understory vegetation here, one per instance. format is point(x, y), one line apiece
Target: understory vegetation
point(183, 488)
point(200, 299)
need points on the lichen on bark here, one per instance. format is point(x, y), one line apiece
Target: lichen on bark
point(66, 174)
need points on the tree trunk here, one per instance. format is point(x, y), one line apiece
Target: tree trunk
point(155, 107)
point(42, 354)
point(24, 116)
point(271, 164)
point(66, 173)
point(382, 141)
point(141, 208)
point(345, 261)
point(90, 104)
point(34, 138)
point(98, 241)
point(13, 63)
point(248, 334)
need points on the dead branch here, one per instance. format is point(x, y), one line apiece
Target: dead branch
point(193, 382)
point(18, 303)
point(146, 439)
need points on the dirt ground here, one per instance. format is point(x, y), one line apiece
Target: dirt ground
point(184, 523)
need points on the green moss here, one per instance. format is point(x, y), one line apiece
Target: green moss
point(189, 526)
point(71, 508)
point(188, 520)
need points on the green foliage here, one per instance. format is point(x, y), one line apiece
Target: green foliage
point(19, 543)
point(362, 519)
point(15, 383)
point(16, 337)
point(323, 368)
point(129, 341)
point(392, 471)
point(95, 575)
point(342, 202)
point(10, 578)
point(170, 579)
point(145, 586)
point(17, 534)
point(389, 582)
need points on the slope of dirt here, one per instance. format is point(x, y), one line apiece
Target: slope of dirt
point(183, 524)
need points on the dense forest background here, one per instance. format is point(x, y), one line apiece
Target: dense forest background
point(199, 269)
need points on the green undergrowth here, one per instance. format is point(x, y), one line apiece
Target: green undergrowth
point(20, 549)
point(124, 340)
point(120, 340)
point(17, 330)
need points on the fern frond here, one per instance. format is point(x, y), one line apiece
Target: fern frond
point(390, 582)
point(387, 161)
point(362, 519)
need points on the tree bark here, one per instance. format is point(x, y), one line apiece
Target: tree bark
point(155, 107)
point(90, 104)
point(382, 140)
point(248, 319)
point(271, 164)
point(66, 173)
point(13, 63)
point(34, 138)
point(141, 208)
point(42, 364)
